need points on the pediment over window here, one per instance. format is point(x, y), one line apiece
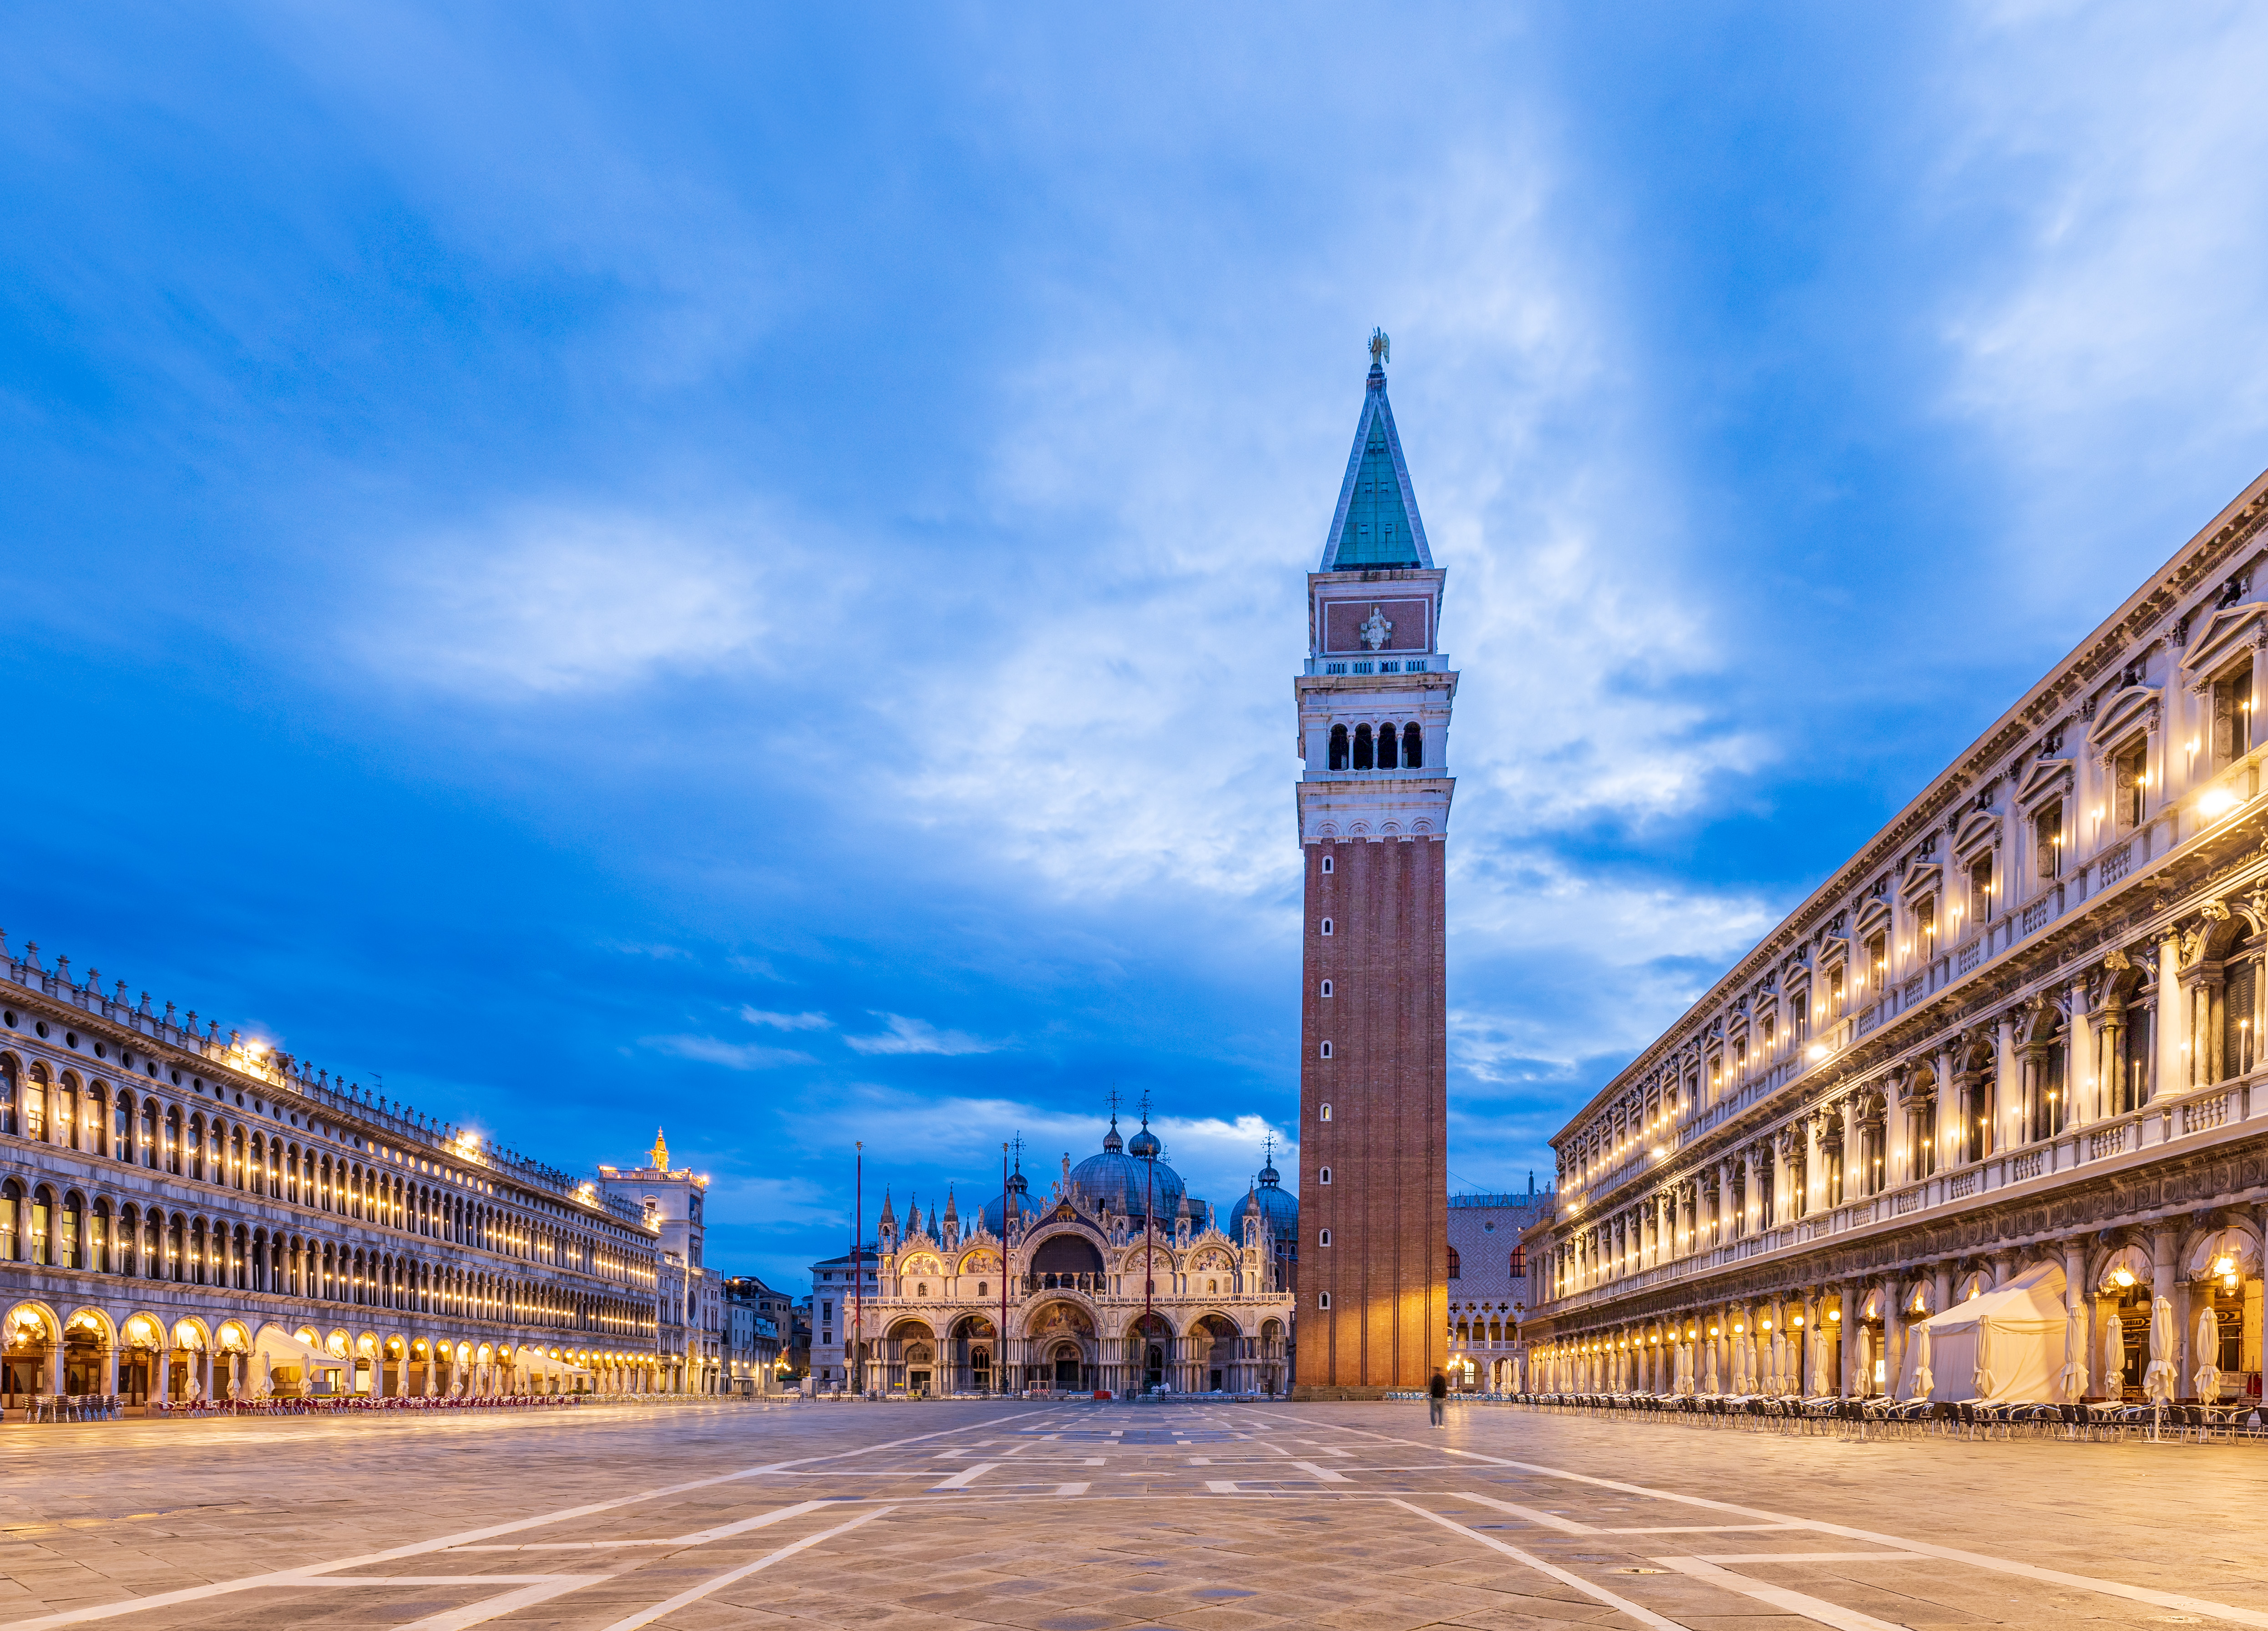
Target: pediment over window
point(1874, 915)
point(1920, 881)
point(1978, 829)
point(2044, 780)
point(2135, 707)
point(2230, 631)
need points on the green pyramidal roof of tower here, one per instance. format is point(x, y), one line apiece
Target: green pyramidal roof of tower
point(1376, 524)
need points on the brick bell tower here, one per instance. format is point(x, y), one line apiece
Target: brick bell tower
point(1373, 803)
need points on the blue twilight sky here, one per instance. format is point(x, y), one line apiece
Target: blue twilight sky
point(740, 567)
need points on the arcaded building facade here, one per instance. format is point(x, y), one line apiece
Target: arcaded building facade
point(1374, 826)
point(2010, 1048)
point(185, 1217)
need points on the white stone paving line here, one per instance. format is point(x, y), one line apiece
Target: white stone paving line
point(1899, 1543)
point(2177, 1601)
point(314, 1573)
point(647, 1616)
point(1816, 1608)
point(1644, 1616)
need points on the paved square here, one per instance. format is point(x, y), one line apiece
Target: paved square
point(1107, 1517)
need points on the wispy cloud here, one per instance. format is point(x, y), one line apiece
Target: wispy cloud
point(554, 601)
point(914, 1036)
point(731, 1055)
point(785, 1022)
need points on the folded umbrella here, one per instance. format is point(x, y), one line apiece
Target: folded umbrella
point(1984, 1380)
point(2208, 1375)
point(2073, 1378)
point(1709, 1367)
point(2160, 1378)
point(2114, 1356)
point(1923, 1383)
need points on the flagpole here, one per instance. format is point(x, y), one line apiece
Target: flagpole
point(1000, 1331)
point(857, 1265)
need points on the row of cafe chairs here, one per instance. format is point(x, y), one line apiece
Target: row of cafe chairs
point(73, 1408)
point(111, 1407)
point(1913, 1417)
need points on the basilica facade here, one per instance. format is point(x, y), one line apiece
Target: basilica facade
point(1116, 1281)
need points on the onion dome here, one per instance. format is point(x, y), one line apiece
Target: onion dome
point(1019, 1197)
point(1278, 1206)
point(1127, 1181)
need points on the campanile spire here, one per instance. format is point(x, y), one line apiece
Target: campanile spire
point(1374, 814)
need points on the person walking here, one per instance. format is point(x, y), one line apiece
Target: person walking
point(1436, 1394)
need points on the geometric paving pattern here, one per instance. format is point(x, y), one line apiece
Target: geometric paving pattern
point(1042, 1517)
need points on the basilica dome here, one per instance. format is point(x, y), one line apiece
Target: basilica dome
point(989, 1215)
point(1125, 1180)
point(1277, 1206)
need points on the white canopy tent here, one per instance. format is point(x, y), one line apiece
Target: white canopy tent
point(275, 1348)
point(2011, 1338)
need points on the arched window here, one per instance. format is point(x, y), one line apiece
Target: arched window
point(123, 1144)
point(42, 1230)
point(236, 1157)
point(67, 1112)
point(101, 1249)
point(71, 1233)
point(150, 1133)
point(35, 1104)
point(176, 1248)
point(1338, 747)
point(1385, 746)
point(129, 1240)
point(12, 1209)
point(7, 1094)
point(1362, 750)
point(196, 1147)
point(1413, 746)
point(174, 1138)
point(1456, 1268)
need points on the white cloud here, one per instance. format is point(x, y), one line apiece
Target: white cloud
point(2121, 157)
point(914, 1035)
point(733, 1055)
point(552, 601)
point(957, 1139)
point(785, 1022)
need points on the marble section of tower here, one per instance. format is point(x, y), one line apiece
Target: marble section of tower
point(1373, 812)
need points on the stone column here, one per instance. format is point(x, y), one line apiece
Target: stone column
point(2079, 1065)
point(1893, 1330)
point(2075, 1300)
point(2163, 1239)
point(1848, 1333)
point(2007, 1087)
point(110, 1364)
point(2172, 1019)
point(2261, 1335)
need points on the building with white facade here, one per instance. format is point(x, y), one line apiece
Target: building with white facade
point(185, 1217)
point(689, 1296)
point(1488, 1285)
point(2000, 1072)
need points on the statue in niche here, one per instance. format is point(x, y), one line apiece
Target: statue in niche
point(1376, 629)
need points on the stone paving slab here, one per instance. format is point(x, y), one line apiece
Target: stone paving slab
point(1200, 1518)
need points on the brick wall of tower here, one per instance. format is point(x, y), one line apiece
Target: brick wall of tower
point(1386, 1143)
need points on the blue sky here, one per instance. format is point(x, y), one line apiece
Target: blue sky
point(739, 568)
